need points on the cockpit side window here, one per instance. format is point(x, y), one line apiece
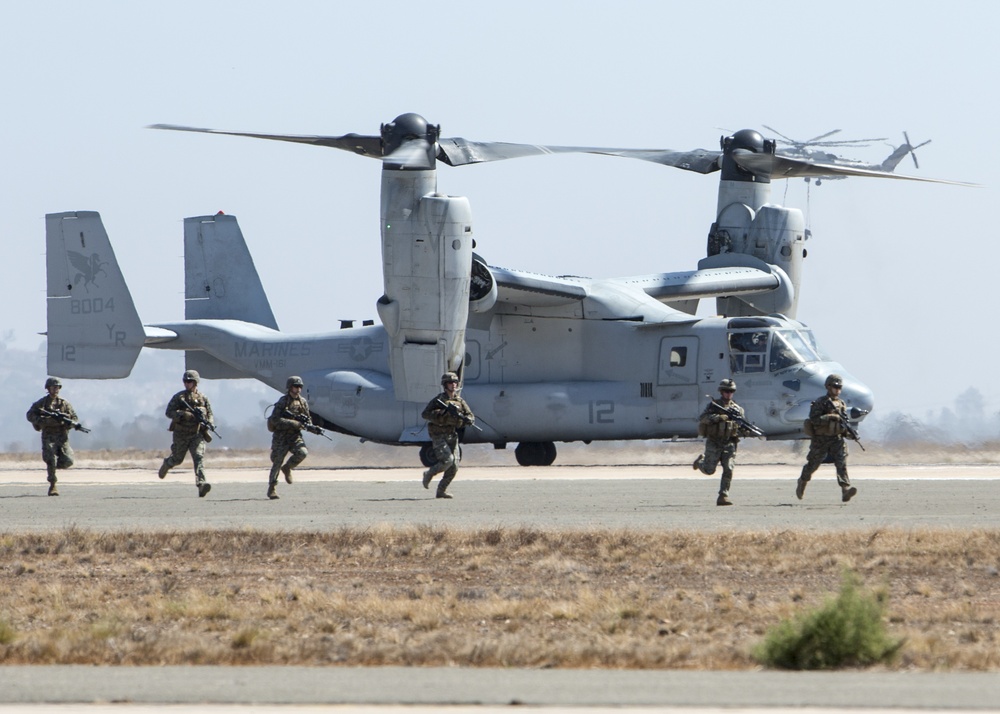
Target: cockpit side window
point(810, 339)
point(748, 351)
point(788, 348)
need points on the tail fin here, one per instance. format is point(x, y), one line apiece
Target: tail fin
point(893, 159)
point(94, 331)
point(220, 283)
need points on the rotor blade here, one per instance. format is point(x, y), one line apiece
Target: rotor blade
point(821, 136)
point(778, 133)
point(779, 167)
point(700, 161)
point(356, 143)
point(458, 152)
point(414, 154)
point(847, 142)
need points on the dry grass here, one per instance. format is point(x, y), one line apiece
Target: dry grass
point(493, 597)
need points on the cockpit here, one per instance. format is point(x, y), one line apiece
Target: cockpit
point(759, 345)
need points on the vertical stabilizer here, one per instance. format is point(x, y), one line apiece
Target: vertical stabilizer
point(220, 279)
point(220, 283)
point(94, 331)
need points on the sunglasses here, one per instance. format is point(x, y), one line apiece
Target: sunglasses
point(727, 391)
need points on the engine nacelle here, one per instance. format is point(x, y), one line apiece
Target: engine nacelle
point(773, 235)
point(427, 269)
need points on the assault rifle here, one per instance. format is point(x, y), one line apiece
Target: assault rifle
point(734, 415)
point(306, 421)
point(65, 419)
point(453, 410)
point(849, 430)
point(202, 420)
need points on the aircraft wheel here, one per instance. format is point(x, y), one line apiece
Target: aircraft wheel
point(427, 455)
point(535, 453)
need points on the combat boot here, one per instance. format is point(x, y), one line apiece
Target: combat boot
point(53, 491)
point(428, 475)
point(723, 501)
point(697, 462)
point(287, 470)
point(272, 492)
point(203, 488)
point(162, 473)
point(800, 489)
point(848, 493)
point(443, 494)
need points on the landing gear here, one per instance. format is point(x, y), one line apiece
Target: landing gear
point(535, 453)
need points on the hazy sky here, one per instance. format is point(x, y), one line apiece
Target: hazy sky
point(900, 281)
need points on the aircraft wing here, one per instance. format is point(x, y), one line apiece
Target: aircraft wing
point(532, 289)
point(705, 283)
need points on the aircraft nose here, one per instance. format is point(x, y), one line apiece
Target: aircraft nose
point(854, 393)
point(857, 396)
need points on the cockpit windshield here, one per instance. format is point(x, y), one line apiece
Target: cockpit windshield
point(771, 350)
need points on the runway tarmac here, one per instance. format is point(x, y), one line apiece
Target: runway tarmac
point(566, 497)
point(555, 497)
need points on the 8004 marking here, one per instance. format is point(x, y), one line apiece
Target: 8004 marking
point(90, 306)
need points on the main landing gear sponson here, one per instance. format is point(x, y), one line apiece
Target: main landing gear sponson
point(535, 453)
point(527, 453)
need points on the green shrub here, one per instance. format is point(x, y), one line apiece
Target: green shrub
point(847, 631)
point(7, 633)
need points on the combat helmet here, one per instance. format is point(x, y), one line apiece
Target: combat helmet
point(449, 377)
point(52, 382)
point(834, 380)
point(727, 385)
point(294, 382)
point(190, 375)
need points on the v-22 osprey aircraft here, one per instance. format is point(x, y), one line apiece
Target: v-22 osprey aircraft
point(542, 359)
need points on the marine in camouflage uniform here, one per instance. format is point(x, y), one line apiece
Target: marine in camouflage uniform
point(722, 439)
point(189, 434)
point(828, 444)
point(56, 451)
point(446, 414)
point(287, 433)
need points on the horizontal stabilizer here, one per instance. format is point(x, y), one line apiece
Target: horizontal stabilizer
point(94, 331)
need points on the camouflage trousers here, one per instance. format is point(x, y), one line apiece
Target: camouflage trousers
point(446, 456)
point(283, 443)
point(824, 449)
point(184, 444)
point(56, 451)
point(720, 452)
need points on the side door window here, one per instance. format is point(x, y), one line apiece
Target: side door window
point(678, 360)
